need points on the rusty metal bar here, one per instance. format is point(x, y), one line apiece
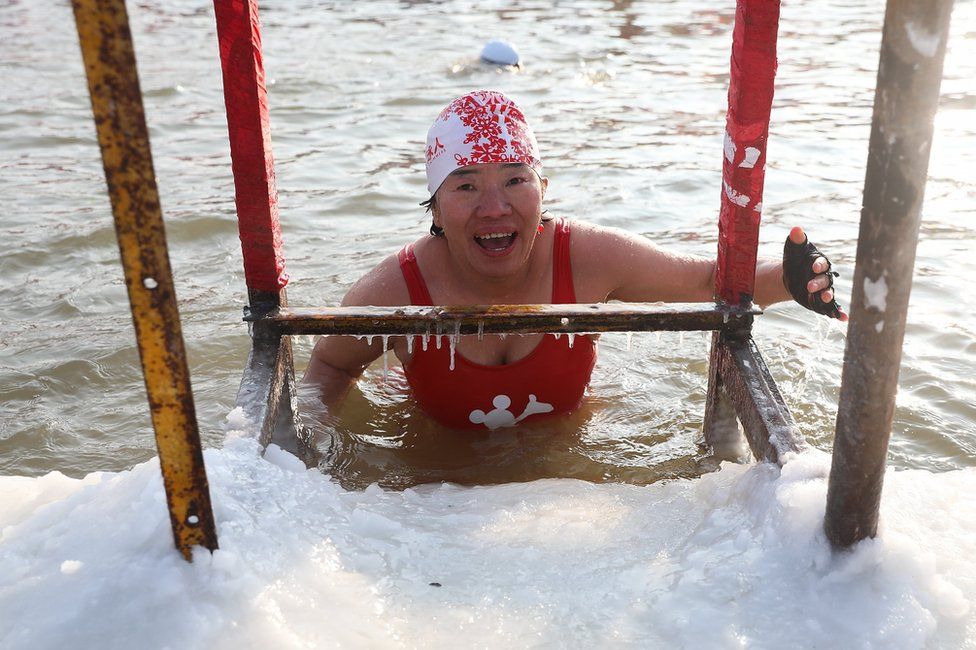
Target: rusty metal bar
point(909, 77)
point(720, 428)
point(769, 427)
point(106, 46)
point(507, 319)
point(267, 391)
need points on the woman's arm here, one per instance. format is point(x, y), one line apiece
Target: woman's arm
point(616, 265)
point(338, 361)
point(335, 365)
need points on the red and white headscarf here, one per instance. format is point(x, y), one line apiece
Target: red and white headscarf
point(483, 126)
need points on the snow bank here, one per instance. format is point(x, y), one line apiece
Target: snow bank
point(736, 558)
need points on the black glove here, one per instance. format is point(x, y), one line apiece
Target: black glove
point(798, 271)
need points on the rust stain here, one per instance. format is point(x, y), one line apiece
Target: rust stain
point(109, 57)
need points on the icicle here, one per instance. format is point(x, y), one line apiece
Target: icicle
point(452, 341)
point(658, 335)
point(437, 342)
point(556, 335)
point(570, 337)
point(481, 330)
point(385, 340)
point(503, 336)
point(425, 340)
point(630, 340)
point(369, 340)
point(409, 345)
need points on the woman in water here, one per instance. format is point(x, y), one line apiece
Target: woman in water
point(489, 243)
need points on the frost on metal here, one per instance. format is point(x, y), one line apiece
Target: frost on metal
point(925, 42)
point(876, 294)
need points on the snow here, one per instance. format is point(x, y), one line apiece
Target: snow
point(71, 566)
point(876, 294)
point(924, 41)
point(734, 558)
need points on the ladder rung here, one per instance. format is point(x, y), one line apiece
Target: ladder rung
point(504, 319)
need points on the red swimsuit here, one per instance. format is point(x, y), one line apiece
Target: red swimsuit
point(549, 381)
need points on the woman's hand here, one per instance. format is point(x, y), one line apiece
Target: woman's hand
point(811, 286)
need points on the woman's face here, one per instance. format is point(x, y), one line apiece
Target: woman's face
point(490, 215)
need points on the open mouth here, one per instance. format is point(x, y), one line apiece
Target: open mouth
point(496, 242)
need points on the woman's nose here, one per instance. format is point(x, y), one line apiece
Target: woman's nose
point(494, 202)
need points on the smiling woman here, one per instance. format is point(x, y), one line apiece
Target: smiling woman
point(506, 200)
point(490, 245)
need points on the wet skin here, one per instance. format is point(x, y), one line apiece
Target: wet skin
point(493, 251)
point(490, 215)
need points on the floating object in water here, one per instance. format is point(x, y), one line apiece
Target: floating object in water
point(500, 52)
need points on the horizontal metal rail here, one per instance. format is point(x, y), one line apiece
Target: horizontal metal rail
point(507, 319)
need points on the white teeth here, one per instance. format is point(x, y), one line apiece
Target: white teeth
point(496, 235)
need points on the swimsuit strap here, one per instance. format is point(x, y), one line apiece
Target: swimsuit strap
point(563, 291)
point(419, 295)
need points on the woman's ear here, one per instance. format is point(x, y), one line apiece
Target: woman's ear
point(435, 215)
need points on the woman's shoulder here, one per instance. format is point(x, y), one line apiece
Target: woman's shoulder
point(606, 258)
point(595, 243)
point(384, 284)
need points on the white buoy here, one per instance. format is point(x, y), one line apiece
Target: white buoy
point(500, 52)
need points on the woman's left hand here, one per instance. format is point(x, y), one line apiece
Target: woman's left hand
point(811, 286)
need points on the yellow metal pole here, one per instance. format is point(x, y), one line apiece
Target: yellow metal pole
point(106, 46)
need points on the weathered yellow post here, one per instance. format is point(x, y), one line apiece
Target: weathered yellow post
point(106, 46)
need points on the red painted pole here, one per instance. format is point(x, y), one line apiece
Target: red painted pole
point(246, 100)
point(753, 70)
